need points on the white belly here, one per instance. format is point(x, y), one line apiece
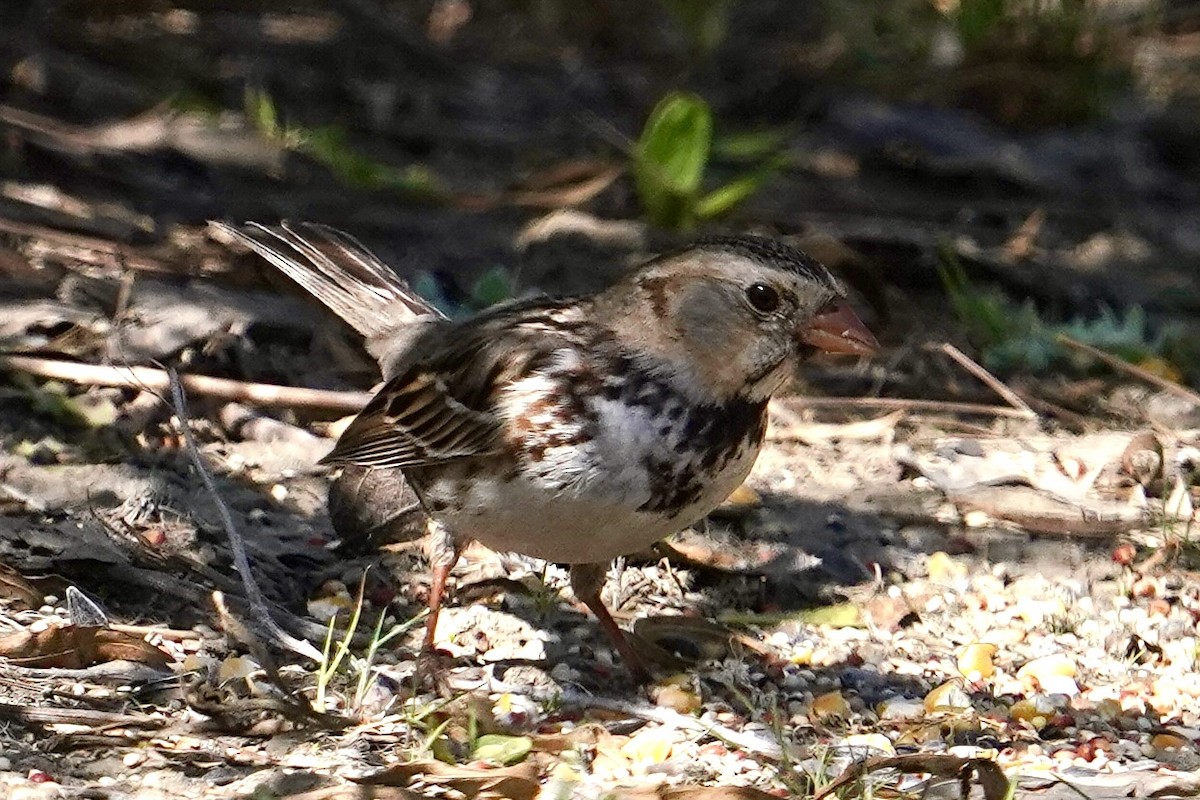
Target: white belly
point(631, 483)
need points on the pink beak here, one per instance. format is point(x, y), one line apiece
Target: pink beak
point(839, 330)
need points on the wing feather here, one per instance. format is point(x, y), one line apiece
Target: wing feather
point(415, 421)
point(441, 405)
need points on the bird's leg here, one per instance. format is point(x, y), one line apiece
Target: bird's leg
point(443, 552)
point(586, 581)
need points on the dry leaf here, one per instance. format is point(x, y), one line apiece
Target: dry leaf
point(789, 428)
point(889, 613)
point(75, 647)
point(947, 697)
point(987, 773)
point(586, 735)
point(831, 705)
point(570, 183)
point(975, 661)
point(14, 587)
point(649, 746)
point(692, 793)
point(510, 783)
point(355, 791)
point(677, 642)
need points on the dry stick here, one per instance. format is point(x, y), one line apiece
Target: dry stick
point(1121, 365)
point(943, 406)
point(258, 603)
point(572, 698)
point(261, 394)
point(992, 382)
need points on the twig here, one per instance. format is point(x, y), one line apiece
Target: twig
point(751, 744)
point(794, 429)
point(258, 603)
point(127, 255)
point(260, 394)
point(987, 773)
point(943, 406)
point(992, 382)
point(1121, 365)
point(153, 630)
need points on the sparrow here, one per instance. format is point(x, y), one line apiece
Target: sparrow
point(575, 429)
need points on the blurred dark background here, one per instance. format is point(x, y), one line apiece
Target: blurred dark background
point(992, 171)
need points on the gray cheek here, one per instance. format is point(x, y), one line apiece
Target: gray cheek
point(769, 350)
point(707, 316)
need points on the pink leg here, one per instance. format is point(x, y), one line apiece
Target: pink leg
point(443, 553)
point(586, 581)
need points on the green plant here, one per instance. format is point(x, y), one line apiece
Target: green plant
point(328, 146)
point(1024, 63)
point(1013, 336)
point(670, 161)
point(334, 654)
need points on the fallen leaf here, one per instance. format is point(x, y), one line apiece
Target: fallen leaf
point(831, 705)
point(743, 497)
point(649, 746)
point(511, 783)
point(677, 642)
point(947, 697)
point(501, 749)
point(988, 774)
point(585, 735)
point(678, 699)
point(944, 569)
point(75, 647)
point(570, 183)
point(841, 615)
point(692, 793)
point(791, 429)
point(14, 587)
point(975, 661)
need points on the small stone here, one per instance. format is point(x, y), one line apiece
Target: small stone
point(947, 697)
point(975, 661)
point(830, 705)
point(133, 759)
point(678, 699)
point(1162, 741)
point(900, 708)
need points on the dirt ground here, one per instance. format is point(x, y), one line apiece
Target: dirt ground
point(937, 580)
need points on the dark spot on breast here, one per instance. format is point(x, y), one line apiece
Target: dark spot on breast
point(713, 437)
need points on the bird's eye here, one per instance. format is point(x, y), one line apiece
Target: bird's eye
point(763, 298)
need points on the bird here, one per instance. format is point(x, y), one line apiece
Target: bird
point(572, 429)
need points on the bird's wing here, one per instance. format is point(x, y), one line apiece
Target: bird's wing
point(441, 405)
point(416, 420)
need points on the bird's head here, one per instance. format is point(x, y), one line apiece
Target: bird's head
point(733, 316)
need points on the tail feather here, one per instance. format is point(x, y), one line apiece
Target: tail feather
point(338, 270)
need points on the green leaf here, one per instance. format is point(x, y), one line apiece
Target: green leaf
point(493, 286)
point(750, 145)
point(502, 750)
point(736, 191)
point(260, 110)
point(842, 615)
point(671, 157)
point(978, 19)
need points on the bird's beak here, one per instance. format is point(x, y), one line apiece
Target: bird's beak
point(839, 330)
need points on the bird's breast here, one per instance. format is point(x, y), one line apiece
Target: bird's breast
point(602, 463)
